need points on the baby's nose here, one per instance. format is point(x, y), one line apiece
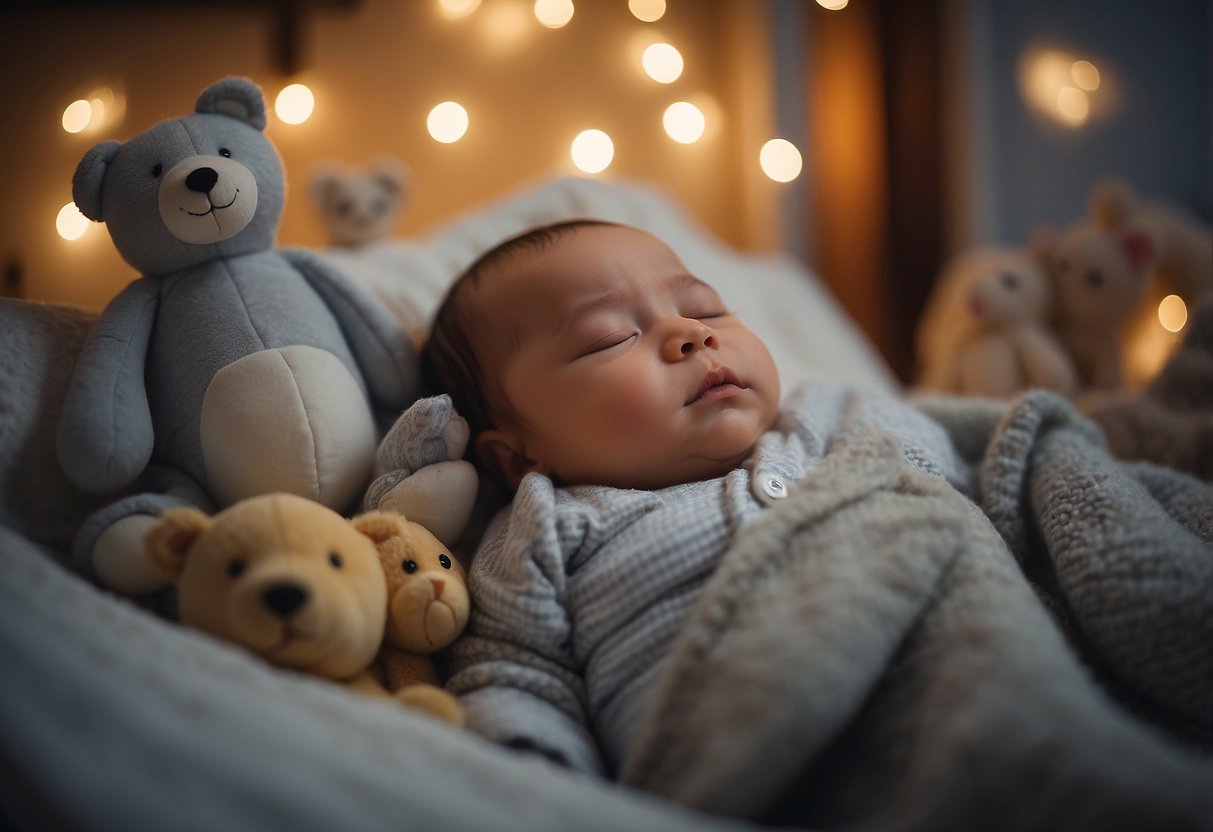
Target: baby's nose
point(687, 339)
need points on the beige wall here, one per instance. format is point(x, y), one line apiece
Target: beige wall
point(376, 70)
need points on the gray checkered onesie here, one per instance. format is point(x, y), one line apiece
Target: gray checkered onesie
point(578, 593)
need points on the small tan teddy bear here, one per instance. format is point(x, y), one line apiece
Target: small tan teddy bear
point(288, 579)
point(427, 609)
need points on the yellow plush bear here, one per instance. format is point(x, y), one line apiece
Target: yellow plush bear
point(427, 609)
point(288, 579)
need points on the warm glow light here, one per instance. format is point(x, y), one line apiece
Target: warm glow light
point(447, 122)
point(456, 9)
point(294, 104)
point(647, 10)
point(554, 13)
point(77, 116)
point(1072, 105)
point(1085, 75)
point(832, 5)
point(592, 151)
point(780, 160)
point(684, 122)
point(662, 62)
point(1172, 313)
point(70, 223)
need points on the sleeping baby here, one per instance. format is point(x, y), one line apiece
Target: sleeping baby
point(641, 428)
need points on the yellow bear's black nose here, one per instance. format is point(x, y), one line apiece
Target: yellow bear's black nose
point(283, 599)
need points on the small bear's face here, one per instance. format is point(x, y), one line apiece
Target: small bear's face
point(428, 604)
point(189, 189)
point(282, 576)
point(359, 207)
point(1010, 291)
point(1099, 277)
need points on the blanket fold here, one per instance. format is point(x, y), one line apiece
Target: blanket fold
point(871, 655)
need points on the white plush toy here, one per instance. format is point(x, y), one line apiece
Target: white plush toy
point(984, 330)
point(360, 207)
point(420, 470)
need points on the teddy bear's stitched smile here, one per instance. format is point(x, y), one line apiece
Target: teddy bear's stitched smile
point(214, 207)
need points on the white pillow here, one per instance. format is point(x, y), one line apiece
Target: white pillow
point(807, 331)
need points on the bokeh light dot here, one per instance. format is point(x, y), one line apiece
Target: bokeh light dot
point(456, 9)
point(662, 62)
point(684, 122)
point(1172, 313)
point(1085, 75)
point(70, 223)
point(780, 160)
point(592, 151)
point(554, 13)
point(77, 115)
point(647, 11)
point(447, 122)
point(294, 105)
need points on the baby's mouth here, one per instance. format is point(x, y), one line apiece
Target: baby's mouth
point(717, 384)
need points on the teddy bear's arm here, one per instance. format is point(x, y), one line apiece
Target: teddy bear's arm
point(105, 432)
point(384, 352)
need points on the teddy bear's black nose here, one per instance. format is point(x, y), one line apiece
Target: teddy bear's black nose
point(202, 180)
point(284, 599)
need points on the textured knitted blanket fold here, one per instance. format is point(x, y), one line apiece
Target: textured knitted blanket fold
point(872, 655)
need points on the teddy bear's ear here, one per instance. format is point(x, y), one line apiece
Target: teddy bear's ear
point(1042, 244)
point(89, 177)
point(169, 541)
point(380, 526)
point(239, 98)
point(1111, 203)
point(390, 174)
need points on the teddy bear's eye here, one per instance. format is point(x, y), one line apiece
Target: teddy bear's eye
point(1010, 281)
point(445, 561)
point(409, 566)
point(235, 568)
point(1095, 278)
point(157, 170)
point(335, 559)
point(344, 207)
point(225, 153)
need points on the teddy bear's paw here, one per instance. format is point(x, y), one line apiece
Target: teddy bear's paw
point(120, 560)
point(434, 701)
point(439, 497)
point(430, 431)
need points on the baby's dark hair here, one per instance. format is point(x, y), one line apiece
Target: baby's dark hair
point(449, 361)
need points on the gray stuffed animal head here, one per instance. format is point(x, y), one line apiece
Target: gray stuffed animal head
point(190, 189)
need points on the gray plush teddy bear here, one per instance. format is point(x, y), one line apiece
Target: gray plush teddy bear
point(230, 368)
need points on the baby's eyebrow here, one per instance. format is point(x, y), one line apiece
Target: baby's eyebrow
point(586, 306)
point(684, 280)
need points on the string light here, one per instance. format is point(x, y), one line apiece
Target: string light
point(832, 5)
point(447, 122)
point(592, 151)
point(780, 160)
point(647, 11)
point(70, 223)
point(684, 122)
point(662, 62)
point(77, 115)
point(294, 105)
point(1172, 313)
point(554, 13)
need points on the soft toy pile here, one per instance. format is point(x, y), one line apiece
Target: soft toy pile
point(229, 369)
point(1054, 315)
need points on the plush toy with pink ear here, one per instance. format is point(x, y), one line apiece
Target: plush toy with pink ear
point(1099, 278)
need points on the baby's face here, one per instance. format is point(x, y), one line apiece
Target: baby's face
point(621, 368)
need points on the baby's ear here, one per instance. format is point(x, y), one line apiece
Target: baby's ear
point(502, 454)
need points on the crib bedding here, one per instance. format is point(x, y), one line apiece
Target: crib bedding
point(870, 655)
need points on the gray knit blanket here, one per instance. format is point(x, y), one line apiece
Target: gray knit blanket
point(882, 652)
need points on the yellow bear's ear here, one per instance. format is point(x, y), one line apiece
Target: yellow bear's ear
point(169, 541)
point(380, 526)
